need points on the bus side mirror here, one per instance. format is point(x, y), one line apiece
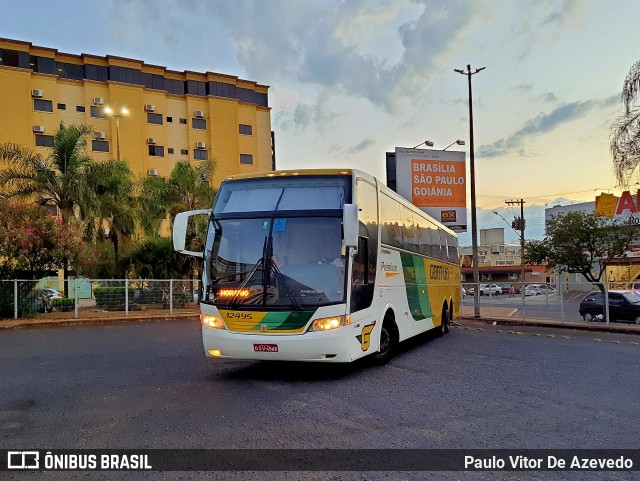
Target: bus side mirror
point(180, 231)
point(350, 225)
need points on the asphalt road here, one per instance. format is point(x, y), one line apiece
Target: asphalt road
point(148, 385)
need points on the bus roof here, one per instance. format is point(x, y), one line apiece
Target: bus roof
point(285, 173)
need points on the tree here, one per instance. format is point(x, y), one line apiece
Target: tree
point(155, 258)
point(583, 242)
point(59, 179)
point(33, 242)
point(625, 130)
point(69, 179)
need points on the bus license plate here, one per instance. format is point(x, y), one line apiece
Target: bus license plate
point(265, 347)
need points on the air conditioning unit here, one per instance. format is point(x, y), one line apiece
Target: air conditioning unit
point(38, 129)
point(98, 100)
point(200, 114)
point(201, 145)
point(101, 135)
point(151, 140)
point(152, 172)
point(37, 93)
point(150, 108)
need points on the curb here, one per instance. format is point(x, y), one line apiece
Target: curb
point(27, 323)
point(596, 327)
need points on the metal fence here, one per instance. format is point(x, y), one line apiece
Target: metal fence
point(560, 301)
point(104, 297)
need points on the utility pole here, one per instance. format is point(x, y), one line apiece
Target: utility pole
point(519, 224)
point(474, 223)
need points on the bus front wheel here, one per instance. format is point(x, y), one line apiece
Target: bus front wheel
point(388, 341)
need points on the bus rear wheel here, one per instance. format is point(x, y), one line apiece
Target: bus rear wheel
point(444, 324)
point(388, 342)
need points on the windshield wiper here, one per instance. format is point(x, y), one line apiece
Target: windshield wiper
point(282, 278)
point(246, 280)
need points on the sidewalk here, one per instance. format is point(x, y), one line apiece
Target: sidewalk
point(503, 316)
point(106, 318)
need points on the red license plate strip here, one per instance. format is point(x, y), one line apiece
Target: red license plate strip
point(265, 347)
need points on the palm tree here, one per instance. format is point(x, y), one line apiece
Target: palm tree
point(625, 131)
point(58, 179)
point(72, 181)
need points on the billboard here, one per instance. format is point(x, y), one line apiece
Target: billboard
point(435, 181)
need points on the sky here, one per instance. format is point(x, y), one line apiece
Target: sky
point(350, 80)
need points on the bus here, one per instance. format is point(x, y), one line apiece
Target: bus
point(320, 265)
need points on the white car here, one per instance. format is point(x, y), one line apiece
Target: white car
point(52, 293)
point(490, 289)
point(538, 289)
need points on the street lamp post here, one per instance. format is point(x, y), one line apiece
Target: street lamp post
point(123, 112)
point(459, 142)
point(428, 143)
point(472, 172)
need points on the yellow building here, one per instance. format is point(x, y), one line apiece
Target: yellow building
point(171, 115)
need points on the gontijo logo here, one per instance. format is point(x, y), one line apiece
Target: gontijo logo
point(389, 270)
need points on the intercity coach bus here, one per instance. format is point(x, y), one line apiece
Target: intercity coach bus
point(320, 265)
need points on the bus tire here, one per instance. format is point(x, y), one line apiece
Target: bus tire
point(388, 341)
point(444, 324)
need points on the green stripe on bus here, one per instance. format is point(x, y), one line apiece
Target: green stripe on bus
point(284, 321)
point(415, 278)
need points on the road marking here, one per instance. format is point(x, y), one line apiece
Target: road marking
point(551, 335)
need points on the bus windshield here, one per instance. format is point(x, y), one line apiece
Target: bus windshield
point(262, 262)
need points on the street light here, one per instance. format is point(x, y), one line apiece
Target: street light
point(459, 142)
point(472, 172)
point(110, 113)
point(428, 143)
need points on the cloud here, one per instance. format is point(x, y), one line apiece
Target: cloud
point(541, 124)
point(364, 145)
point(549, 97)
point(325, 44)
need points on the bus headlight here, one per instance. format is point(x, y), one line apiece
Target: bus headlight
point(212, 321)
point(328, 323)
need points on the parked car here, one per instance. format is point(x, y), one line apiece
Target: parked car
point(538, 289)
point(624, 306)
point(52, 293)
point(490, 289)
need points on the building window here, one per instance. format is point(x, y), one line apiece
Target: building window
point(170, 150)
point(200, 154)
point(199, 124)
point(62, 106)
point(154, 118)
point(97, 112)
point(44, 140)
point(169, 120)
point(43, 105)
point(246, 129)
point(183, 121)
point(80, 108)
point(100, 145)
point(246, 159)
point(156, 150)
point(184, 152)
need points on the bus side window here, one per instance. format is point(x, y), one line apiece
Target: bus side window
point(361, 284)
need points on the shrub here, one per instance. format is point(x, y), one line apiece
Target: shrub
point(63, 305)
